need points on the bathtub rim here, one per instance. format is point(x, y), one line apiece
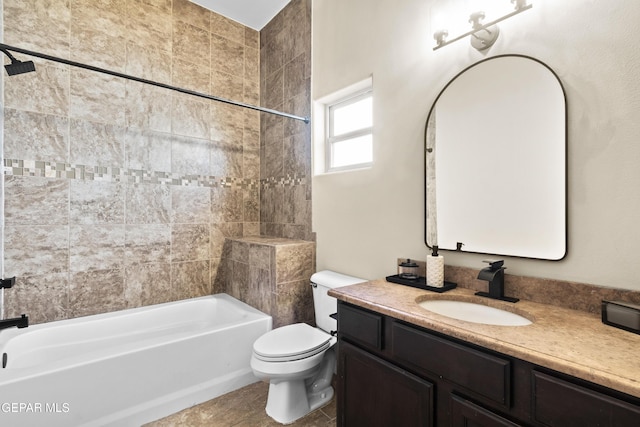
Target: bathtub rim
point(9, 375)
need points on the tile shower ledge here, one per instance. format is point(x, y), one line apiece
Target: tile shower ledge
point(569, 341)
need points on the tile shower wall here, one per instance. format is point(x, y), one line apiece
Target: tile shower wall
point(272, 274)
point(285, 145)
point(119, 194)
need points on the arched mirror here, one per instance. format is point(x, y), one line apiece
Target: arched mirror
point(495, 161)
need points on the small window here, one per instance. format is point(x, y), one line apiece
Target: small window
point(349, 139)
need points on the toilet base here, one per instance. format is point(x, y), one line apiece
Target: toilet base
point(289, 401)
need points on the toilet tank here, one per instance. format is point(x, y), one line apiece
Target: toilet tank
point(323, 304)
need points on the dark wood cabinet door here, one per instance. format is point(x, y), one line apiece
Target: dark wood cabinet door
point(468, 414)
point(375, 393)
point(559, 403)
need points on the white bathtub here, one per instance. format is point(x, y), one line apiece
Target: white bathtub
point(129, 367)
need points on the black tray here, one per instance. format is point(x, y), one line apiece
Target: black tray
point(421, 283)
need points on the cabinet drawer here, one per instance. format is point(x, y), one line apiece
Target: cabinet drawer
point(359, 325)
point(487, 375)
point(465, 413)
point(557, 402)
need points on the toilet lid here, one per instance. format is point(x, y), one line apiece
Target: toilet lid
point(291, 342)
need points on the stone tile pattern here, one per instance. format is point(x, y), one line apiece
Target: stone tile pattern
point(243, 408)
point(285, 145)
point(120, 194)
point(272, 274)
point(559, 293)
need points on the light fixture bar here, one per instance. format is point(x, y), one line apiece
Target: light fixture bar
point(484, 26)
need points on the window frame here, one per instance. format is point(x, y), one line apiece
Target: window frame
point(331, 139)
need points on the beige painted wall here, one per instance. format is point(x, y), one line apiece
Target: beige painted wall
point(365, 220)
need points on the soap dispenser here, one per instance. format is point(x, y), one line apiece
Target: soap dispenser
point(435, 269)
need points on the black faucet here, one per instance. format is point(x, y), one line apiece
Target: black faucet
point(18, 322)
point(494, 274)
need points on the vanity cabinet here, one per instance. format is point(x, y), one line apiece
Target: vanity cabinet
point(393, 373)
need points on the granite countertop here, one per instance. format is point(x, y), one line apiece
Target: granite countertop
point(569, 341)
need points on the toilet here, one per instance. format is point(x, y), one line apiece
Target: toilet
point(298, 361)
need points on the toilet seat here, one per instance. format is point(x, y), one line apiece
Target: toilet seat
point(291, 342)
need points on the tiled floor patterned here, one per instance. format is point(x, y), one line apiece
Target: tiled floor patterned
point(242, 408)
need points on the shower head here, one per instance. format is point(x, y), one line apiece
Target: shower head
point(17, 66)
point(20, 67)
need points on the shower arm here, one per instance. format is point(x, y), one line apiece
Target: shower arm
point(5, 48)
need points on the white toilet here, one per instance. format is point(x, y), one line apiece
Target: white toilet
point(299, 360)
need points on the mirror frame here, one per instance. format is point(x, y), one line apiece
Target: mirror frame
point(566, 159)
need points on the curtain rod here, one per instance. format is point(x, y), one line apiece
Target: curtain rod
point(151, 82)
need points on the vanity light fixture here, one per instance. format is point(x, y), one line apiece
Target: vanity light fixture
point(441, 37)
point(483, 36)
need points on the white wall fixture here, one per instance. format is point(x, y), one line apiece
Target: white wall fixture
point(482, 35)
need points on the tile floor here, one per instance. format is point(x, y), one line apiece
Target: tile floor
point(242, 408)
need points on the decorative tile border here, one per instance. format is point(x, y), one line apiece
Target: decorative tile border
point(16, 167)
point(286, 181)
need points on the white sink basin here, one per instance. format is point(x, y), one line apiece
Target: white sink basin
point(476, 313)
